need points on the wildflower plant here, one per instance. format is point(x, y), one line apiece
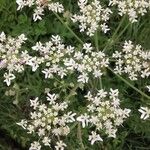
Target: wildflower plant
point(40, 5)
point(12, 57)
point(93, 16)
point(133, 61)
point(47, 121)
point(97, 64)
point(133, 8)
point(103, 112)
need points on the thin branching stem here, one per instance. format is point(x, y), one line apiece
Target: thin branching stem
point(129, 84)
point(96, 40)
point(113, 39)
point(71, 31)
point(79, 134)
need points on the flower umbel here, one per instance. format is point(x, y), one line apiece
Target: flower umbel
point(93, 16)
point(47, 121)
point(104, 113)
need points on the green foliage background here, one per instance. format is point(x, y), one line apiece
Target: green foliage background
point(135, 133)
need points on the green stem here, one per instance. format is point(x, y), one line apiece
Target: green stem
point(72, 92)
point(111, 40)
point(121, 32)
point(96, 40)
point(97, 48)
point(129, 84)
point(101, 85)
point(80, 136)
point(65, 24)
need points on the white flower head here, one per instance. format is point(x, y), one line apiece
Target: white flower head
point(60, 145)
point(94, 137)
point(145, 113)
point(8, 77)
point(84, 119)
point(35, 146)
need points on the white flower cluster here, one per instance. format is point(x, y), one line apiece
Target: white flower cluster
point(133, 8)
point(40, 5)
point(145, 113)
point(47, 121)
point(11, 56)
point(92, 17)
point(104, 113)
point(54, 57)
point(88, 63)
point(53, 54)
point(62, 60)
point(133, 60)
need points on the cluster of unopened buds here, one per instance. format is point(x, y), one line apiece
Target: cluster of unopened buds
point(133, 8)
point(133, 61)
point(104, 113)
point(40, 5)
point(92, 17)
point(48, 120)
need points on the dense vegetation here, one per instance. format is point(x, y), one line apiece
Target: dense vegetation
point(133, 134)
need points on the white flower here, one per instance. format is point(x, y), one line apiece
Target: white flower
point(56, 39)
point(21, 4)
point(87, 47)
point(8, 77)
point(46, 141)
point(105, 28)
point(23, 124)
point(113, 93)
point(84, 119)
point(38, 46)
point(48, 73)
point(38, 12)
point(148, 87)
point(46, 121)
point(34, 103)
point(39, 6)
point(133, 61)
point(35, 146)
point(2, 37)
point(103, 114)
point(83, 78)
point(60, 145)
point(92, 16)
point(69, 117)
point(97, 73)
point(101, 93)
point(70, 64)
point(94, 137)
point(34, 63)
point(132, 8)
point(145, 112)
point(51, 98)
